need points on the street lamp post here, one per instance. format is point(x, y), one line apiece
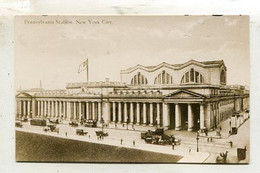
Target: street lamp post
point(197, 141)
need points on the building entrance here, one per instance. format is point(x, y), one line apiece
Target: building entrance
point(172, 115)
point(184, 116)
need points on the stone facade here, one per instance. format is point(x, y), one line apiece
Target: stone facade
point(189, 96)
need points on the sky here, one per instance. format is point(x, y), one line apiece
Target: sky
point(52, 53)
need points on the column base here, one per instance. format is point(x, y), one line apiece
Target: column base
point(190, 129)
point(144, 124)
point(177, 128)
point(137, 124)
point(151, 125)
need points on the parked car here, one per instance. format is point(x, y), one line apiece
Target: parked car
point(53, 128)
point(81, 132)
point(38, 122)
point(101, 133)
point(73, 124)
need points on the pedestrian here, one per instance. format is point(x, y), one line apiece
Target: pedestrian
point(121, 141)
point(66, 134)
point(231, 144)
point(206, 132)
point(134, 143)
point(173, 139)
point(173, 146)
point(189, 150)
point(100, 137)
point(89, 136)
point(220, 128)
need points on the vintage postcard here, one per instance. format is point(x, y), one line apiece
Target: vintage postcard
point(132, 89)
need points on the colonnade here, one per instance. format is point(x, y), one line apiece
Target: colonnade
point(144, 113)
point(138, 113)
point(60, 109)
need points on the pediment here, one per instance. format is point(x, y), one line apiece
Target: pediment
point(184, 94)
point(23, 94)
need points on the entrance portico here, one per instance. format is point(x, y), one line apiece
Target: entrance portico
point(186, 110)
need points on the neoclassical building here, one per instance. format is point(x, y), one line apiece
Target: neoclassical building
point(188, 96)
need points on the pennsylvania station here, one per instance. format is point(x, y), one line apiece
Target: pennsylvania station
point(189, 96)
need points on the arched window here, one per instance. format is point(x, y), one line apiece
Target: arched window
point(223, 77)
point(163, 78)
point(139, 79)
point(192, 76)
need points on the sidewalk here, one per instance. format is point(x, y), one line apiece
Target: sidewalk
point(188, 157)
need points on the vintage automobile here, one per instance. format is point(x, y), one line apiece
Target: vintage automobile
point(51, 127)
point(81, 132)
point(161, 140)
point(38, 122)
point(158, 131)
point(18, 124)
point(101, 133)
point(54, 121)
point(73, 124)
point(90, 123)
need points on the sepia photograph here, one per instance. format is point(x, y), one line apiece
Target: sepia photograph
point(132, 89)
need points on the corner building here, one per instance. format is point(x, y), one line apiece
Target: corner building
point(189, 96)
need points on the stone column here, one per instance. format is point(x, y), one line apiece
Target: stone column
point(57, 109)
point(137, 113)
point(158, 114)
point(33, 108)
point(75, 111)
point(38, 108)
point(99, 111)
point(114, 112)
point(106, 112)
point(42, 109)
point(93, 111)
point(68, 111)
point(64, 109)
point(45, 108)
point(144, 114)
point(119, 113)
point(125, 112)
point(166, 116)
point(87, 110)
point(52, 109)
point(177, 117)
point(60, 108)
point(190, 118)
point(49, 109)
point(80, 112)
point(151, 114)
point(28, 108)
point(131, 113)
point(24, 108)
point(202, 116)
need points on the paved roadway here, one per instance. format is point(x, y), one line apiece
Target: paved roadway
point(114, 138)
point(208, 151)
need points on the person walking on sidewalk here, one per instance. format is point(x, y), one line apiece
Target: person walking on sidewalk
point(173, 145)
point(121, 141)
point(134, 143)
